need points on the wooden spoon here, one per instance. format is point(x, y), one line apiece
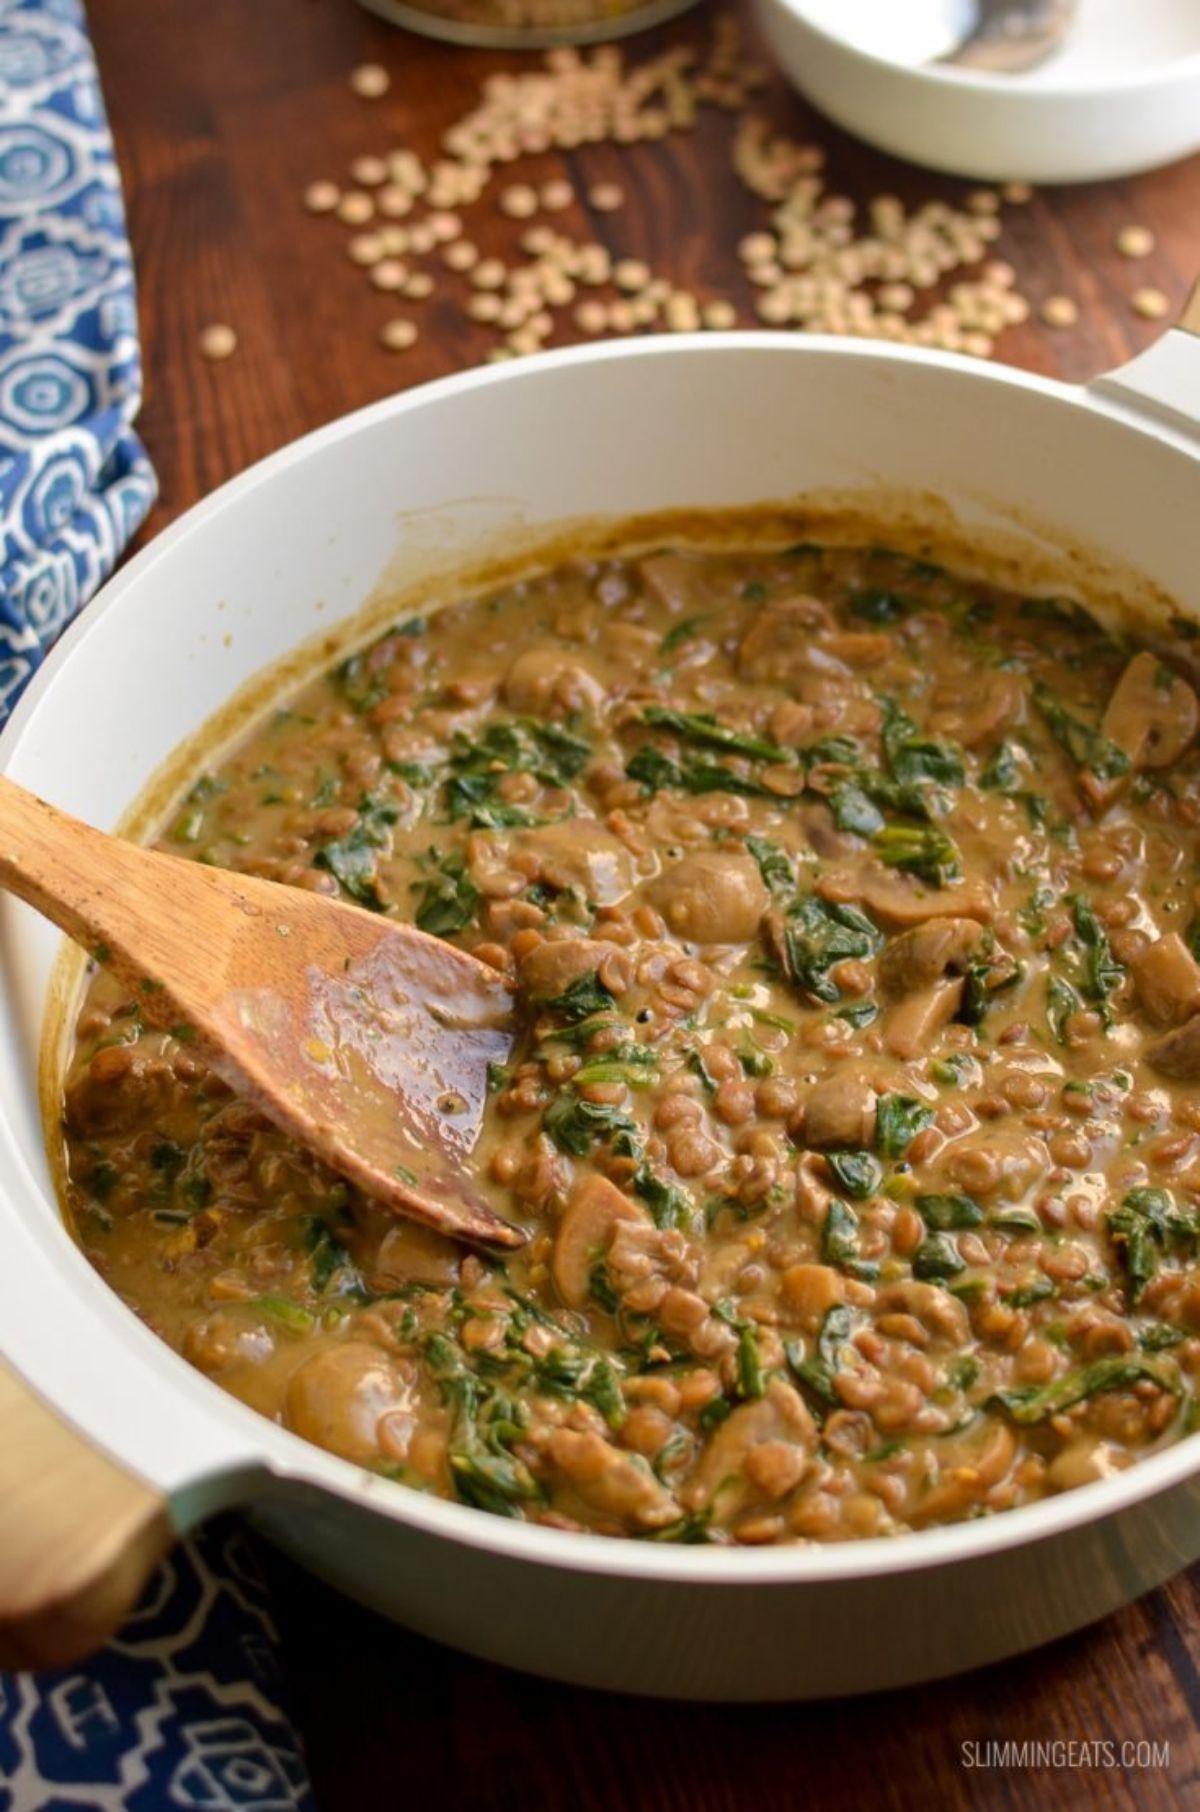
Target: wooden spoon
point(368, 1041)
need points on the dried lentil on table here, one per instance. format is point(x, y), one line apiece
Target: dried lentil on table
point(821, 262)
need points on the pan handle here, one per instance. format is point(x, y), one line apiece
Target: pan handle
point(1164, 381)
point(79, 1536)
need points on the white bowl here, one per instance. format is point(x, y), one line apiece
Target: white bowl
point(1122, 95)
point(434, 479)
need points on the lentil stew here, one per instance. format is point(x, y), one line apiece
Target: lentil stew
point(853, 1116)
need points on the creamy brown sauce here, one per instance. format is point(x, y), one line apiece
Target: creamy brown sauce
point(852, 1111)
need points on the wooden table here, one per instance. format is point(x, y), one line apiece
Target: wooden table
point(223, 112)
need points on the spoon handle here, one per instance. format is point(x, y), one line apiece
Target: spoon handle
point(86, 883)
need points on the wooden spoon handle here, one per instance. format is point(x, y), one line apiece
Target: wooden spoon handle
point(64, 869)
point(79, 1537)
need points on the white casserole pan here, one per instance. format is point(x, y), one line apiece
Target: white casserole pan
point(431, 480)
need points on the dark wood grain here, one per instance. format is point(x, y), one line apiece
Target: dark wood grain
point(222, 113)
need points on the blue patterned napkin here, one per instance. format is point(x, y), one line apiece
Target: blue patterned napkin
point(74, 479)
point(182, 1711)
point(185, 1708)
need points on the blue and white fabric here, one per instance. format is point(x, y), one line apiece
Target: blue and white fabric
point(184, 1711)
point(75, 481)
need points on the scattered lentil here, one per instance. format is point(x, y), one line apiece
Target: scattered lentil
point(390, 273)
point(322, 197)
point(356, 208)
point(370, 172)
point(1151, 304)
point(370, 81)
point(218, 341)
point(1135, 242)
point(398, 334)
point(365, 248)
point(1059, 311)
point(518, 201)
point(820, 263)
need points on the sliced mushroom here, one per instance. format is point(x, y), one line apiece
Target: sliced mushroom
point(915, 1020)
point(585, 1233)
point(860, 648)
point(777, 1416)
point(1167, 978)
point(549, 681)
point(779, 641)
point(977, 715)
point(839, 1112)
point(579, 853)
point(1153, 714)
point(809, 1291)
point(897, 899)
point(1178, 1053)
point(919, 957)
point(997, 1160)
point(944, 1315)
point(675, 579)
point(550, 967)
point(410, 1253)
point(339, 1395)
point(716, 896)
point(615, 1483)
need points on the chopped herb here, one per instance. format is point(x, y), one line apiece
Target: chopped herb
point(1086, 746)
point(815, 1373)
point(750, 1379)
point(773, 864)
point(285, 1313)
point(871, 604)
point(448, 898)
point(1119, 1372)
point(898, 1120)
point(1000, 773)
point(669, 1206)
point(1061, 1002)
point(493, 1481)
point(700, 727)
point(857, 1172)
point(952, 1071)
point(853, 810)
point(839, 1241)
point(352, 859)
point(912, 757)
point(949, 1212)
point(1103, 974)
point(1015, 1220)
point(682, 632)
point(655, 770)
point(1146, 1225)
point(819, 934)
point(858, 1014)
point(937, 1258)
point(919, 850)
point(575, 1125)
point(479, 765)
point(586, 996)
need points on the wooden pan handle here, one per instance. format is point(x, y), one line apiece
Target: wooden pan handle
point(79, 1537)
point(1189, 320)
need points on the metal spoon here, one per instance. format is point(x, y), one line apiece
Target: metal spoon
point(1008, 37)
